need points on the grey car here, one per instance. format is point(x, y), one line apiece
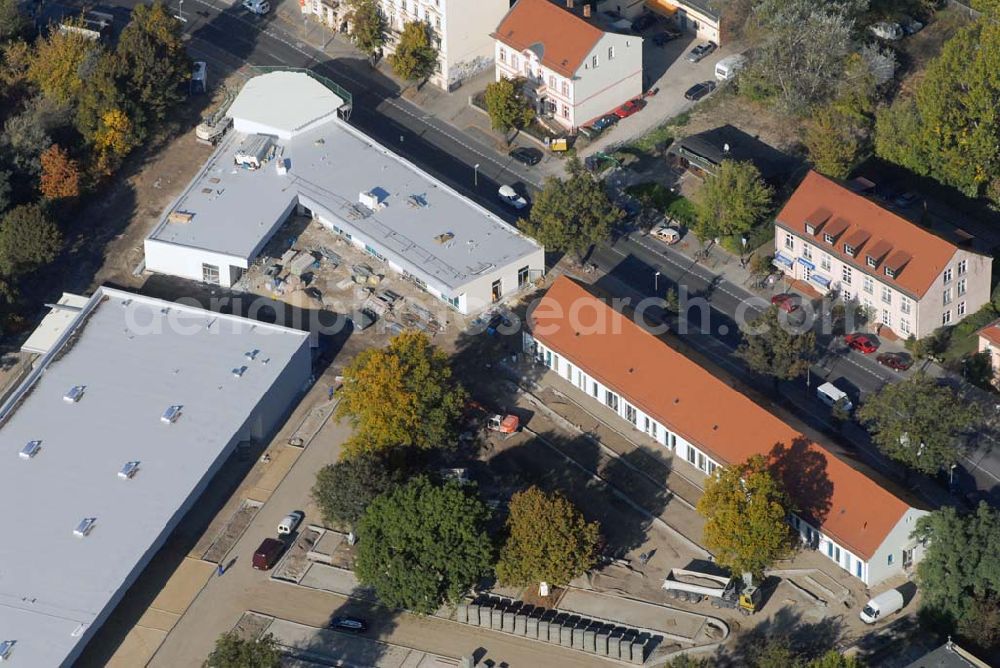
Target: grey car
point(699, 52)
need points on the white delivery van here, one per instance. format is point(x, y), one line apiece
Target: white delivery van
point(882, 606)
point(727, 68)
point(290, 522)
point(259, 7)
point(830, 394)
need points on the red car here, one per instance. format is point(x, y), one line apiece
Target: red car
point(786, 302)
point(630, 107)
point(895, 361)
point(864, 343)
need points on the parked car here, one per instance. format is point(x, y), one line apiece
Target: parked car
point(349, 624)
point(882, 606)
point(643, 22)
point(666, 233)
point(526, 156)
point(267, 553)
point(665, 37)
point(290, 522)
point(199, 77)
point(699, 52)
point(258, 7)
point(864, 343)
point(510, 197)
point(604, 122)
point(831, 395)
point(315, 294)
point(729, 67)
point(699, 90)
point(895, 361)
point(630, 107)
point(786, 302)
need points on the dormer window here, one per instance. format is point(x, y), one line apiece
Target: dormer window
point(890, 273)
point(810, 229)
point(849, 249)
point(872, 261)
point(828, 238)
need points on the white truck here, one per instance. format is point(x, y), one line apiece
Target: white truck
point(882, 606)
point(722, 591)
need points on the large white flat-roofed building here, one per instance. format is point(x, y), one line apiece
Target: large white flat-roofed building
point(108, 443)
point(273, 164)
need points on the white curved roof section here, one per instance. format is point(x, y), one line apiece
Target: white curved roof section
point(283, 104)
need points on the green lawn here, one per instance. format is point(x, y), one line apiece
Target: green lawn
point(660, 198)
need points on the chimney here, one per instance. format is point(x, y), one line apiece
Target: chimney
point(586, 11)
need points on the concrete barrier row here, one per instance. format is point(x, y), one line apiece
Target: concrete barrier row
point(574, 634)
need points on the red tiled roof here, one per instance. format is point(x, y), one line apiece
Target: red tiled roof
point(991, 333)
point(728, 425)
point(561, 38)
point(928, 252)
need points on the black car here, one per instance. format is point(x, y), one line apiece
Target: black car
point(526, 156)
point(699, 52)
point(643, 22)
point(604, 122)
point(699, 90)
point(662, 38)
point(315, 294)
point(349, 624)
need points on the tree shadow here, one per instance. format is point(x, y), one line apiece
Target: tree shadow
point(802, 469)
point(329, 646)
point(807, 640)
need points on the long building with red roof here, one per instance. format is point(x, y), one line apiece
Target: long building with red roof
point(842, 512)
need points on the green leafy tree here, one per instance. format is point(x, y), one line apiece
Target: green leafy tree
point(152, 60)
point(773, 652)
point(746, 513)
point(232, 651)
point(421, 544)
point(415, 56)
point(548, 540)
point(771, 347)
point(367, 28)
point(571, 214)
point(961, 564)
point(981, 623)
point(731, 202)
point(29, 239)
point(345, 489)
point(28, 134)
point(918, 422)
point(834, 142)
point(403, 394)
point(13, 22)
point(61, 63)
point(834, 659)
point(507, 106)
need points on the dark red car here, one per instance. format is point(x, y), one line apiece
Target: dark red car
point(786, 302)
point(630, 107)
point(864, 343)
point(895, 361)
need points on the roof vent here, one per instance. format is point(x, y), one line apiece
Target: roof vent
point(6, 647)
point(171, 414)
point(239, 371)
point(128, 470)
point(371, 200)
point(252, 354)
point(74, 394)
point(85, 526)
point(30, 449)
point(78, 631)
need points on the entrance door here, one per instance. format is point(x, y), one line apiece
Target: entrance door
point(497, 290)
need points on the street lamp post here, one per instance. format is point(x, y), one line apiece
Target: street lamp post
point(951, 476)
point(475, 172)
point(180, 10)
point(656, 282)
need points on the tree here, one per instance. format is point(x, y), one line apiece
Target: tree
point(114, 138)
point(834, 142)
point(423, 544)
point(548, 540)
point(232, 651)
point(152, 60)
point(918, 422)
point(507, 106)
point(746, 513)
point(367, 28)
point(834, 659)
point(401, 395)
point(771, 347)
point(415, 56)
point(60, 174)
point(344, 490)
point(731, 202)
point(948, 128)
point(13, 23)
point(61, 63)
point(961, 564)
point(981, 623)
point(571, 214)
point(27, 134)
point(28, 240)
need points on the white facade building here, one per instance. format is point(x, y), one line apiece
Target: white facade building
point(317, 164)
point(128, 414)
point(460, 28)
point(911, 280)
point(614, 363)
point(572, 70)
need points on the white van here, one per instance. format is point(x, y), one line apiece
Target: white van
point(727, 68)
point(259, 7)
point(830, 394)
point(290, 522)
point(882, 606)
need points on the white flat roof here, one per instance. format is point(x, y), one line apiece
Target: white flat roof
point(283, 103)
point(54, 324)
point(135, 357)
point(420, 224)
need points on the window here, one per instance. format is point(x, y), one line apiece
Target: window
point(673, 441)
point(552, 82)
point(886, 317)
point(630, 413)
point(946, 317)
point(565, 111)
point(886, 294)
point(594, 61)
point(611, 53)
point(868, 284)
point(872, 261)
point(210, 273)
point(522, 277)
point(565, 88)
point(437, 22)
point(824, 262)
point(702, 463)
point(904, 326)
point(889, 560)
point(890, 273)
point(711, 467)
point(962, 267)
point(503, 55)
point(807, 251)
point(828, 238)
point(569, 371)
point(374, 253)
point(691, 454)
point(846, 275)
point(946, 296)
point(653, 430)
point(961, 309)
point(947, 276)
point(836, 554)
point(789, 241)
point(846, 295)
point(849, 249)
point(593, 386)
point(961, 287)
point(905, 305)
point(514, 61)
point(611, 400)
